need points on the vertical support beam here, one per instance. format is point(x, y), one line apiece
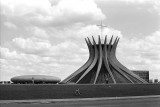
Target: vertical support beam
point(93, 63)
point(110, 45)
point(99, 60)
point(105, 53)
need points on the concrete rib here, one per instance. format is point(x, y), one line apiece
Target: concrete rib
point(85, 66)
point(93, 63)
point(123, 67)
point(106, 61)
point(112, 62)
point(99, 61)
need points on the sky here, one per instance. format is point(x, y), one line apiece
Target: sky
point(47, 37)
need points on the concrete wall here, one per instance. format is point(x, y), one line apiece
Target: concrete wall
point(61, 91)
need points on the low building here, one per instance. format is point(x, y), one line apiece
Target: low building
point(142, 74)
point(35, 79)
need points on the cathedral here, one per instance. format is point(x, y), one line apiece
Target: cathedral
point(102, 66)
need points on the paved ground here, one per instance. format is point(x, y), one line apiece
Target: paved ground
point(102, 102)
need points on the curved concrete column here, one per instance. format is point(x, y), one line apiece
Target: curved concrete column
point(112, 62)
point(99, 60)
point(85, 66)
point(93, 63)
point(117, 63)
point(105, 53)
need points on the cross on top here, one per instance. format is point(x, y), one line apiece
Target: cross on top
point(102, 26)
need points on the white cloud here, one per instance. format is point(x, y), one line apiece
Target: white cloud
point(43, 12)
point(10, 25)
point(24, 7)
point(5, 53)
point(40, 33)
point(157, 6)
point(31, 45)
point(154, 38)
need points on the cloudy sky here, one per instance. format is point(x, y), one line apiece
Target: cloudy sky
point(47, 36)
